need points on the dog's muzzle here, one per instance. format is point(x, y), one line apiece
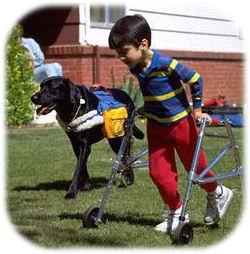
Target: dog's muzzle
point(35, 98)
point(45, 108)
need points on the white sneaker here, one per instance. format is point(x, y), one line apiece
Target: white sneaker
point(171, 222)
point(217, 204)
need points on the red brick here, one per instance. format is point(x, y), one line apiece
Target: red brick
point(223, 73)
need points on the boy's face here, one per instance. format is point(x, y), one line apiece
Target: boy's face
point(129, 54)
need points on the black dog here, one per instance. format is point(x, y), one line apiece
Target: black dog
point(71, 101)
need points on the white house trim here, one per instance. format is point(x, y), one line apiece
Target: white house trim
point(174, 26)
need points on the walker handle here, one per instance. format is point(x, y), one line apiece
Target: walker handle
point(215, 121)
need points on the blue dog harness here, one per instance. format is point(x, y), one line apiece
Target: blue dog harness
point(93, 117)
point(106, 100)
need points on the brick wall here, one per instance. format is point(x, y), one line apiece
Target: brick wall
point(223, 73)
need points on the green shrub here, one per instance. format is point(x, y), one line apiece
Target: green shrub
point(20, 81)
point(133, 91)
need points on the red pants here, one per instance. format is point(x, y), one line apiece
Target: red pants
point(163, 141)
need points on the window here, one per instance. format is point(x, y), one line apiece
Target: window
point(105, 15)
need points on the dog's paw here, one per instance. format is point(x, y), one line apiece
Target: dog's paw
point(70, 195)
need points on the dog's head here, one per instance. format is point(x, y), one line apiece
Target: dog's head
point(54, 91)
point(50, 94)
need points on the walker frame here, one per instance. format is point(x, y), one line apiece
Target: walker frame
point(184, 233)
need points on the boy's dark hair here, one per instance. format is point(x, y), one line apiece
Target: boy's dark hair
point(129, 29)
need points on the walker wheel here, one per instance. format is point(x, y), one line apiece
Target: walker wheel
point(183, 234)
point(89, 217)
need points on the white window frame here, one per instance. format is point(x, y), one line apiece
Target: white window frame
point(106, 24)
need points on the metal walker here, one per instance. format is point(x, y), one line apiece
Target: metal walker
point(184, 232)
point(123, 161)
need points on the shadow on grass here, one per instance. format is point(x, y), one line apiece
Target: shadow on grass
point(133, 218)
point(195, 224)
point(68, 216)
point(97, 182)
point(56, 185)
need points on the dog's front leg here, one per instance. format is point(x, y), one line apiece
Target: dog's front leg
point(79, 171)
point(83, 181)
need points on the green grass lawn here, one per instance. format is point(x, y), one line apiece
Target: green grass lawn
point(40, 164)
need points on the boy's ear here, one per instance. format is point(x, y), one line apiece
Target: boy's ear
point(144, 44)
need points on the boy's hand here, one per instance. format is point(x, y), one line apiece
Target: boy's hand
point(198, 115)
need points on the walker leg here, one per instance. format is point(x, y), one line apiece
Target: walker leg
point(92, 216)
point(184, 233)
point(192, 172)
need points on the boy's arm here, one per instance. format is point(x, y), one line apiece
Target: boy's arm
point(194, 80)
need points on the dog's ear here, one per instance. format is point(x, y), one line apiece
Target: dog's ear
point(74, 93)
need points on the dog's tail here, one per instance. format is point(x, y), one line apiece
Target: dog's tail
point(137, 132)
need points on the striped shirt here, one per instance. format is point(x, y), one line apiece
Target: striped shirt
point(162, 88)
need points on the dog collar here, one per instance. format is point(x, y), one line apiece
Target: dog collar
point(82, 102)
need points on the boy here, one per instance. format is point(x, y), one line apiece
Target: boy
point(171, 121)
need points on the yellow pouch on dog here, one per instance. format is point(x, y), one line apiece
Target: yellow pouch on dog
point(113, 122)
